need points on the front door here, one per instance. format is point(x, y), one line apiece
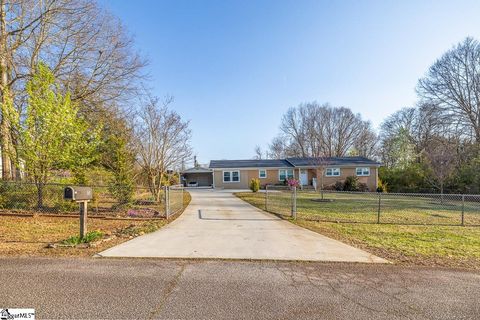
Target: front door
point(303, 177)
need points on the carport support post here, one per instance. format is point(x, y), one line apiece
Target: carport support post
point(83, 218)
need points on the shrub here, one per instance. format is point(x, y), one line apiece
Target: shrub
point(382, 186)
point(89, 237)
point(339, 186)
point(293, 183)
point(17, 195)
point(351, 184)
point(363, 187)
point(123, 193)
point(254, 184)
point(65, 206)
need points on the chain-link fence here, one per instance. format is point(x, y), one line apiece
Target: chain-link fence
point(112, 200)
point(370, 207)
point(174, 200)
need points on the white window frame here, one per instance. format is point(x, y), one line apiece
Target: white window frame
point(260, 175)
point(333, 170)
point(362, 174)
point(286, 174)
point(231, 176)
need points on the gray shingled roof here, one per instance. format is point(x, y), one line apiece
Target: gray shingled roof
point(197, 170)
point(267, 163)
point(290, 162)
point(335, 161)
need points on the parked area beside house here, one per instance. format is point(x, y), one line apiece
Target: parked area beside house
point(197, 177)
point(310, 172)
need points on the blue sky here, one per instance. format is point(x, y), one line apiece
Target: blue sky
point(234, 67)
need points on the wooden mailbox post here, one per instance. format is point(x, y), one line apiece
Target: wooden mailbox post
point(81, 195)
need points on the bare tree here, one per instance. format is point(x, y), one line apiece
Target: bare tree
point(294, 128)
point(366, 142)
point(441, 158)
point(406, 134)
point(430, 121)
point(453, 84)
point(258, 153)
point(162, 142)
point(313, 130)
point(87, 49)
point(277, 148)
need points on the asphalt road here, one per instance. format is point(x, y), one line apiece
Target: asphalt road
point(208, 289)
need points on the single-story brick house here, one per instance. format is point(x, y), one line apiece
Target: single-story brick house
point(237, 174)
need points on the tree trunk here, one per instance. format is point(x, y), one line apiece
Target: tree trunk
point(441, 193)
point(5, 134)
point(321, 182)
point(40, 195)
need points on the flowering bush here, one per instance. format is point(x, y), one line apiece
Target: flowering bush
point(293, 183)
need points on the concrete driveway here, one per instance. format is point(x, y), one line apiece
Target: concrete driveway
point(218, 225)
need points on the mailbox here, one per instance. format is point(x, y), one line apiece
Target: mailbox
point(77, 193)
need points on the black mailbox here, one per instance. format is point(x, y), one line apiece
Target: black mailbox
point(77, 193)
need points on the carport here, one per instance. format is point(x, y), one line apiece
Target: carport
point(197, 177)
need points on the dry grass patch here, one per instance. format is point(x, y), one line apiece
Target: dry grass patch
point(29, 236)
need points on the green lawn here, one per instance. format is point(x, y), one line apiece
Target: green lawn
point(363, 208)
point(440, 245)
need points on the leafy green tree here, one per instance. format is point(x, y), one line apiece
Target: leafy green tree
point(52, 136)
point(116, 153)
point(467, 180)
point(120, 164)
point(405, 179)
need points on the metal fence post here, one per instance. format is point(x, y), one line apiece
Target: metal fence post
point(379, 206)
point(266, 197)
point(294, 202)
point(167, 201)
point(463, 210)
